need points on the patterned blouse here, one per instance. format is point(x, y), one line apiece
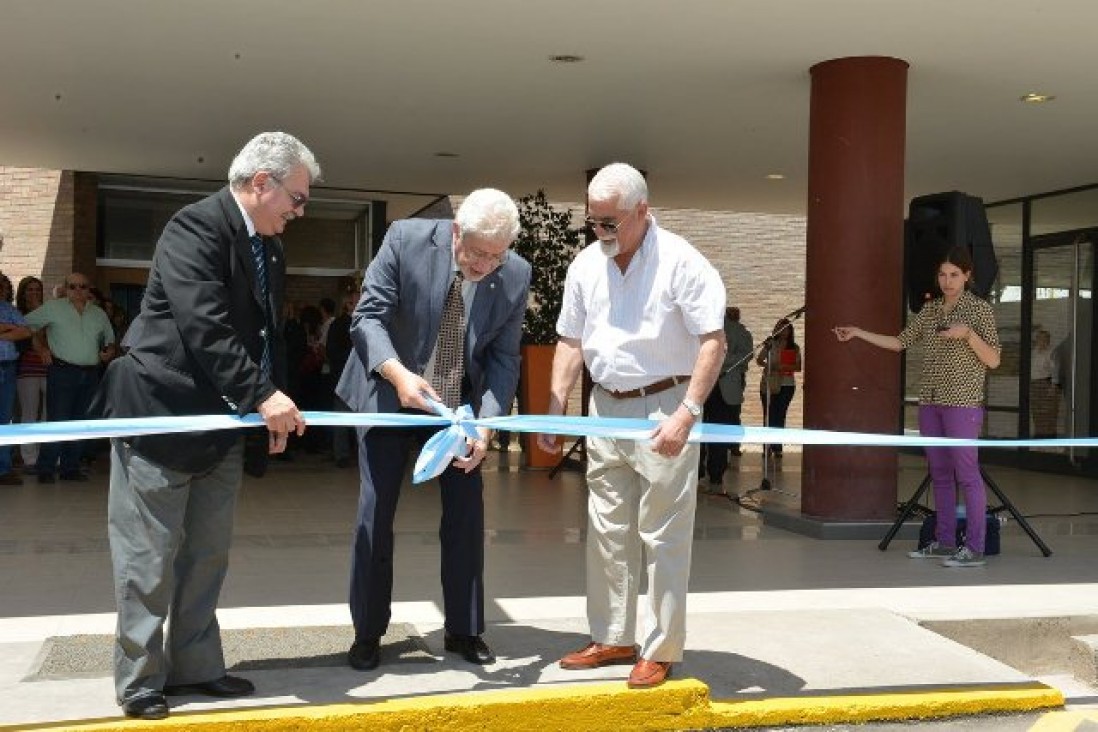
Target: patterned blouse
point(953, 375)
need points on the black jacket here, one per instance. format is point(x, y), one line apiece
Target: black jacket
point(196, 345)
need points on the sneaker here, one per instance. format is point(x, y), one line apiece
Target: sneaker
point(933, 550)
point(965, 557)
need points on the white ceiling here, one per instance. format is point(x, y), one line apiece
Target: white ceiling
point(709, 96)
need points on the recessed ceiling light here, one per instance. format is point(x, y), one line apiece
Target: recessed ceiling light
point(566, 58)
point(775, 176)
point(444, 154)
point(1035, 98)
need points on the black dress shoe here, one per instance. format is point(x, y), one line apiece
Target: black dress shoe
point(471, 647)
point(46, 478)
point(76, 477)
point(148, 706)
point(225, 687)
point(364, 655)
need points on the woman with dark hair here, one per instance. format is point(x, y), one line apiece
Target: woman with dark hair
point(12, 329)
point(780, 359)
point(960, 343)
point(31, 371)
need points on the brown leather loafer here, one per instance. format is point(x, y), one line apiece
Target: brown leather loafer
point(594, 655)
point(647, 674)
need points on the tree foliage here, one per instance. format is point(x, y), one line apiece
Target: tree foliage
point(549, 242)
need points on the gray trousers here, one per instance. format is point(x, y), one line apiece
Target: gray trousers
point(169, 535)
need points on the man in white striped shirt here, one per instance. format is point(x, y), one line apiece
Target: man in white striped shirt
point(644, 311)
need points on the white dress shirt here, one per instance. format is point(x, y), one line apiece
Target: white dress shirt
point(643, 325)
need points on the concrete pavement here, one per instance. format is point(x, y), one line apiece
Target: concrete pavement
point(783, 629)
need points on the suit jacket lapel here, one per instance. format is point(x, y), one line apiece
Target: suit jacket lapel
point(441, 273)
point(242, 245)
point(482, 307)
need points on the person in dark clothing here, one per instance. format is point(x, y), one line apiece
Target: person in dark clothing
point(338, 349)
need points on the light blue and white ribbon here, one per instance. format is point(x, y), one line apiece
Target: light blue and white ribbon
point(459, 426)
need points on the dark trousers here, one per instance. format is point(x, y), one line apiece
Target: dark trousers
point(7, 405)
point(715, 454)
point(69, 391)
point(383, 457)
point(775, 407)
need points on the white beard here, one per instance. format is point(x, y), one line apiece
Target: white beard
point(610, 248)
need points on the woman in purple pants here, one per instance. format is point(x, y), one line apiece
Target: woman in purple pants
point(960, 344)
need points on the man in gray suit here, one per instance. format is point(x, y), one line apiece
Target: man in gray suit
point(440, 314)
point(206, 342)
point(725, 402)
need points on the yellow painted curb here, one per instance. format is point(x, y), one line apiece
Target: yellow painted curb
point(820, 710)
point(611, 707)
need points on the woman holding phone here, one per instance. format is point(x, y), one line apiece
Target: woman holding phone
point(960, 344)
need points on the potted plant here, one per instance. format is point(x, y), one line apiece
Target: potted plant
point(549, 242)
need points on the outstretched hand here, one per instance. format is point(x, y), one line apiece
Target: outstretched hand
point(844, 332)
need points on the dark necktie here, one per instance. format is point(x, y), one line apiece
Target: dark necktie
point(259, 256)
point(450, 349)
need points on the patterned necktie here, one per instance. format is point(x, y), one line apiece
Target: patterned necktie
point(259, 256)
point(450, 349)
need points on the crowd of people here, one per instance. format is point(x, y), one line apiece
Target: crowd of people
point(439, 317)
point(52, 354)
point(318, 343)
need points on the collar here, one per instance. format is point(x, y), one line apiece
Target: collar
point(247, 219)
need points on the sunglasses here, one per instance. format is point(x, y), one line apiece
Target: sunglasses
point(297, 199)
point(611, 226)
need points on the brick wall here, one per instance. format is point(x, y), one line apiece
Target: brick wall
point(761, 258)
point(37, 220)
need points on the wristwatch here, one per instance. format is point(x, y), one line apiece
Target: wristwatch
point(692, 407)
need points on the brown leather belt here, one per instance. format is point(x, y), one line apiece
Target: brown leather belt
point(654, 388)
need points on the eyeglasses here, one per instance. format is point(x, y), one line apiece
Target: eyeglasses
point(611, 226)
point(297, 199)
point(496, 260)
point(76, 285)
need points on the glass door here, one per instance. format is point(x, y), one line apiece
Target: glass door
point(1061, 309)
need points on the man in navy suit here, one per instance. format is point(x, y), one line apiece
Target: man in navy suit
point(205, 342)
point(410, 316)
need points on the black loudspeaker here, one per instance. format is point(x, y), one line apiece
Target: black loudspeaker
point(935, 224)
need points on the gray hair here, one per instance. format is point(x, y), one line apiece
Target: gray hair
point(278, 153)
point(488, 214)
point(621, 182)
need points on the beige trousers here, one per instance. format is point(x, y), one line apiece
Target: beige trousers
point(640, 518)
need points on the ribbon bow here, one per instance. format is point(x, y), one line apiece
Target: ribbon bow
point(446, 444)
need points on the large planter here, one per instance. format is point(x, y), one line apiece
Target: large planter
point(537, 372)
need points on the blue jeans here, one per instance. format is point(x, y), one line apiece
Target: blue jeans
point(69, 391)
point(7, 403)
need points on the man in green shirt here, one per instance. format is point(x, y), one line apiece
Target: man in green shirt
point(79, 338)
